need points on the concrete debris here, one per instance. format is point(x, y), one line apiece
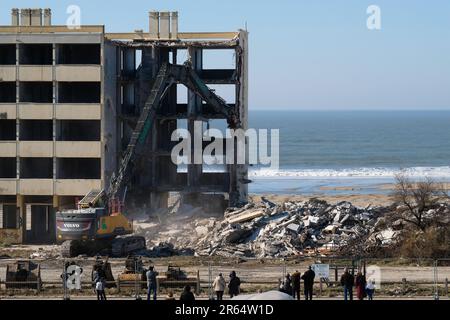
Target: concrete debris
point(50, 252)
point(269, 230)
point(245, 216)
point(293, 228)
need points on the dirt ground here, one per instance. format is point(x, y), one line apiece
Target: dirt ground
point(254, 273)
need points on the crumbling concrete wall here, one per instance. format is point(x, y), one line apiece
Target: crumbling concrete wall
point(110, 122)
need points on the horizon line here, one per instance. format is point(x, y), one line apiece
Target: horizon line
point(349, 109)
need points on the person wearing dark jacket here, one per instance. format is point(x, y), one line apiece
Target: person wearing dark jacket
point(234, 285)
point(296, 285)
point(308, 283)
point(187, 295)
point(347, 281)
point(287, 286)
point(151, 283)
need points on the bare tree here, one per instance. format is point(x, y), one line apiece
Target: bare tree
point(416, 198)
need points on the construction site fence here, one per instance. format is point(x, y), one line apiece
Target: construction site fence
point(393, 277)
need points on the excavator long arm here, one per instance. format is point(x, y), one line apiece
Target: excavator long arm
point(168, 74)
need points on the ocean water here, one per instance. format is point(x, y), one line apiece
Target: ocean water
point(361, 149)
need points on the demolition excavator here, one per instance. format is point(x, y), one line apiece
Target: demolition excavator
point(98, 224)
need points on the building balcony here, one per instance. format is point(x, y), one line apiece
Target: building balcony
point(8, 187)
point(8, 111)
point(78, 111)
point(7, 73)
point(78, 149)
point(78, 73)
point(36, 111)
point(76, 187)
point(35, 73)
point(36, 187)
point(8, 149)
point(36, 149)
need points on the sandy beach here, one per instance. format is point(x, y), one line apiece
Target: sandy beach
point(353, 194)
point(359, 200)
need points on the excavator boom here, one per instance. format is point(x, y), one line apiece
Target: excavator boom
point(168, 75)
point(79, 228)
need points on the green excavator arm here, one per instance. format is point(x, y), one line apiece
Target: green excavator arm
point(168, 75)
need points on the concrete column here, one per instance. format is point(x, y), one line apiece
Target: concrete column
point(25, 17)
point(129, 60)
point(21, 209)
point(194, 109)
point(15, 17)
point(164, 25)
point(154, 24)
point(52, 217)
point(174, 26)
point(239, 173)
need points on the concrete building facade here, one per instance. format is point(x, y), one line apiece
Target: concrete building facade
point(69, 100)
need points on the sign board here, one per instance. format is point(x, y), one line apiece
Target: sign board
point(73, 277)
point(321, 270)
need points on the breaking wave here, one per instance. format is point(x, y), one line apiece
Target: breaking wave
point(418, 172)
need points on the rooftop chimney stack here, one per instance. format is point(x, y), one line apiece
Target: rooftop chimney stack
point(163, 25)
point(174, 27)
point(15, 17)
point(154, 24)
point(25, 17)
point(31, 17)
point(47, 17)
point(36, 17)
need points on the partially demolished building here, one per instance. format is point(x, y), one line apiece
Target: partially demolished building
point(70, 98)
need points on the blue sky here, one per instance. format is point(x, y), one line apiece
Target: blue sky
point(309, 54)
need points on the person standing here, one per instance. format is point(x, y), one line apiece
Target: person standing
point(347, 281)
point(234, 285)
point(370, 289)
point(100, 288)
point(360, 284)
point(308, 283)
point(287, 287)
point(219, 285)
point(296, 285)
point(151, 283)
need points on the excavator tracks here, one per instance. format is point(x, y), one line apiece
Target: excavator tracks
point(68, 249)
point(118, 247)
point(123, 246)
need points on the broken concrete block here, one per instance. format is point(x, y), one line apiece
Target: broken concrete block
point(238, 235)
point(294, 227)
point(246, 216)
point(332, 228)
point(201, 230)
point(313, 220)
point(345, 218)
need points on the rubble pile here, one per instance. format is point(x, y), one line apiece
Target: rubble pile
point(293, 228)
point(269, 230)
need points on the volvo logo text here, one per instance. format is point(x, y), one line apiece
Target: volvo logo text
point(71, 225)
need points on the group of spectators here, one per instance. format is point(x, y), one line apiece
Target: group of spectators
point(364, 288)
point(219, 286)
point(234, 285)
point(291, 284)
